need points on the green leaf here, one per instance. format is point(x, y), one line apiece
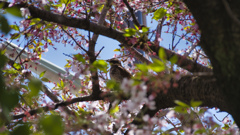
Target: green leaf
point(142, 67)
point(136, 27)
point(180, 109)
point(9, 99)
point(157, 66)
point(15, 36)
point(79, 58)
point(116, 50)
point(113, 85)
point(158, 14)
point(62, 84)
point(226, 127)
point(17, 66)
point(4, 26)
point(101, 65)
point(129, 32)
point(52, 125)
point(100, 7)
point(35, 86)
point(110, 84)
point(114, 110)
point(21, 130)
point(11, 71)
point(174, 59)
point(45, 79)
point(162, 55)
point(180, 103)
point(145, 29)
point(34, 21)
point(195, 103)
point(14, 11)
point(1, 5)
point(42, 74)
point(15, 27)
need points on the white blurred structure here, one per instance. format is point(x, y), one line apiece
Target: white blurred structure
point(53, 72)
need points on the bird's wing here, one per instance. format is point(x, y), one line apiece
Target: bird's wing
point(124, 72)
point(118, 72)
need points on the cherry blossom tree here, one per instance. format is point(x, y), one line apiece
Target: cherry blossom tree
point(170, 91)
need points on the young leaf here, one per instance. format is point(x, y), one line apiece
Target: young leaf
point(80, 58)
point(157, 65)
point(42, 74)
point(101, 65)
point(145, 29)
point(15, 36)
point(143, 67)
point(158, 14)
point(162, 55)
point(129, 32)
point(52, 125)
point(195, 103)
point(114, 110)
point(180, 109)
point(116, 50)
point(17, 66)
point(173, 59)
point(45, 79)
point(22, 129)
point(15, 27)
point(180, 103)
point(62, 83)
point(35, 86)
point(14, 11)
point(4, 26)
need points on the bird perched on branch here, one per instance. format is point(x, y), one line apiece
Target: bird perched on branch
point(117, 71)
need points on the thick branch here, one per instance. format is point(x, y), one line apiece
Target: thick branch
point(190, 88)
point(195, 88)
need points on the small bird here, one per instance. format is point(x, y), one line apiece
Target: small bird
point(117, 71)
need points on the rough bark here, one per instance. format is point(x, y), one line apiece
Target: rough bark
point(220, 39)
point(194, 88)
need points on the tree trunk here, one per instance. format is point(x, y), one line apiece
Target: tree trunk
point(220, 39)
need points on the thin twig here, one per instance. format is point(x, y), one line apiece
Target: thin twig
point(190, 50)
point(67, 55)
point(65, 7)
point(74, 39)
point(100, 51)
point(23, 50)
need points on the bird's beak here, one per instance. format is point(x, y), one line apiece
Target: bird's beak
point(107, 60)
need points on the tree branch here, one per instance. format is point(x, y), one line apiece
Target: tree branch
point(91, 52)
point(135, 21)
point(55, 99)
point(48, 108)
point(74, 40)
point(189, 88)
point(183, 62)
